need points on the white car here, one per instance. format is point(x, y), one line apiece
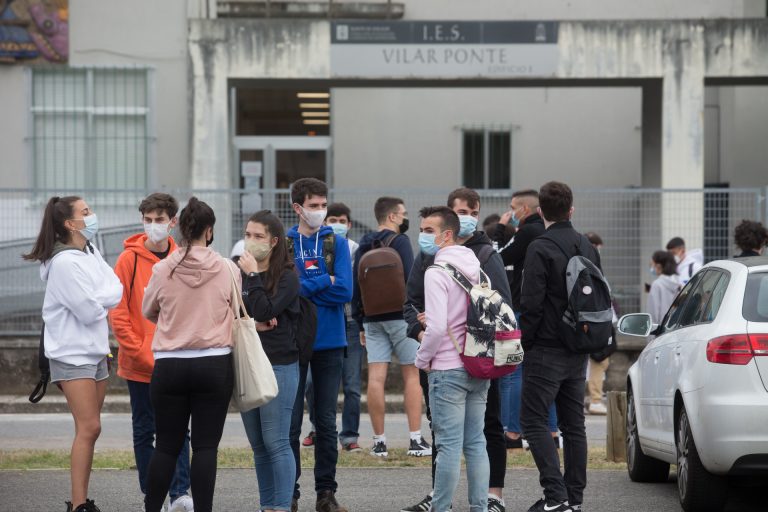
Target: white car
point(698, 395)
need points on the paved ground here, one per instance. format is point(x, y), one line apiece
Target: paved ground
point(55, 431)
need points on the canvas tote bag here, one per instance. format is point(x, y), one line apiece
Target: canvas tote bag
point(255, 382)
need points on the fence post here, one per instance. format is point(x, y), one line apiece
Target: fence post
point(616, 447)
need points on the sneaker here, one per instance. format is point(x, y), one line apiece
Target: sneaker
point(326, 502)
point(352, 447)
point(598, 409)
point(88, 506)
point(309, 440)
point(513, 444)
point(425, 505)
point(380, 450)
point(495, 505)
point(182, 504)
point(420, 448)
point(545, 505)
point(576, 508)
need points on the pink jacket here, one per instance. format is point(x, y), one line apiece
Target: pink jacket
point(192, 308)
point(446, 308)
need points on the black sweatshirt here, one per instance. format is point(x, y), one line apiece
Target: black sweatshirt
point(280, 342)
point(514, 253)
point(490, 263)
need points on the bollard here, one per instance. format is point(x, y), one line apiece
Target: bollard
point(616, 442)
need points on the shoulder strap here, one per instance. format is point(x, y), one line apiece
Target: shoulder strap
point(237, 298)
point(485, 253)
point(133, 276)
point(329, 252)
point(456, 274)
point(289, 243)
point(387, 242)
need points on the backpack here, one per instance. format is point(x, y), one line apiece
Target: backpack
point(381, 278)
point(329, 251)
point(492, 345)
point(587, 325)
point(306, 329)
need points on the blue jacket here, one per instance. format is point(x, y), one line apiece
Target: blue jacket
point(316, 284)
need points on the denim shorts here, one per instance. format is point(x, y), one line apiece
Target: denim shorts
point(63, 371)
point(383, 338)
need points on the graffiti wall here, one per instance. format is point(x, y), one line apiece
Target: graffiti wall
point(34, 31)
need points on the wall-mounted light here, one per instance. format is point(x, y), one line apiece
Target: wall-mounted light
point(317, 121)
point(316, 114)
point(314, 105)
point(313, 95)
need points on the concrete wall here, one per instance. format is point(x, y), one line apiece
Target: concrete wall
point(14, 170)
point(411, 137)
point(744, 125)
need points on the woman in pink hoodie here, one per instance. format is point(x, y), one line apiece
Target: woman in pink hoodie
point(457, 401)
point(189, 297)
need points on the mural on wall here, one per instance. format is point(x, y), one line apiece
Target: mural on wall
point(34, 31)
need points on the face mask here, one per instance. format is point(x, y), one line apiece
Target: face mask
point(209, 242)
point(514, 221)
point(339, 228)
point(677, 259)
point(259, 250)
point(468, 224)
point(652, 271)
point(404, 226)
point(315, 218)
point(91, 226)
point(427, 243)
point(156, 232)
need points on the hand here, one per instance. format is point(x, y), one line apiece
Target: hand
point(362, 338)
point(422, 318)
point(248, 263)
point(266, 326)
point(421, 336)
point(427, 369)
point(504, 220)
point(333, 280)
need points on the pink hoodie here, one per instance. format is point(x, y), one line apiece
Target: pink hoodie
point(192, 308)
point(446, 307)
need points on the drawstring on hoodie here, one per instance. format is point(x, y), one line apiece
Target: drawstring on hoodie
point(301, 245)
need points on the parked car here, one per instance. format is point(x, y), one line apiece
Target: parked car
point(697, 396)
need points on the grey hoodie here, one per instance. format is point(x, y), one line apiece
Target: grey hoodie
point(663, 291)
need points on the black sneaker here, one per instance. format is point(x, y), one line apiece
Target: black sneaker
point(545, 505)
point(420, 448)
point(425, 505)
point(495, 505)
point(379, 449)
point(88, 506)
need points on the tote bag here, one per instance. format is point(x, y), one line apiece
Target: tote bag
point(255, 382)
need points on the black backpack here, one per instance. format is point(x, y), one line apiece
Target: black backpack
point(587, 325)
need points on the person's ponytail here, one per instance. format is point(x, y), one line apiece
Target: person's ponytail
point(52, 228)
point(194, 219)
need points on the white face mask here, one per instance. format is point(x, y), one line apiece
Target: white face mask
point(157, 232)
point(677, 259)
point(313, 218)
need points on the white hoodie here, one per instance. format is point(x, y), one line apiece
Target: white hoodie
point(80, 288)
point(694, 260)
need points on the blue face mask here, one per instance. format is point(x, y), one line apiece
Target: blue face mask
point(468, 225)
point(427, 243)
point(339, 228)
point(514, 221)
point(91, 227)
point(652, 271)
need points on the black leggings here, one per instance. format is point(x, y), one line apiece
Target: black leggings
point(495, 443)
point(201, 388)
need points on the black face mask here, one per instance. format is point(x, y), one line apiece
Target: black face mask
point(404, 226)
point(209, 242)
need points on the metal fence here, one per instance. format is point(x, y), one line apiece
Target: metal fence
point(632, 223)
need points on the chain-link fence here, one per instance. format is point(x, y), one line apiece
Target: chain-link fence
point(633, 223)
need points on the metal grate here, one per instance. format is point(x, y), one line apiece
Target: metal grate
point(90, 127)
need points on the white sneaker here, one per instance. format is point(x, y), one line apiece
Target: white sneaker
point(598, 408)
point(182, 504)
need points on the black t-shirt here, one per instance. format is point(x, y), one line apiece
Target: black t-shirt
point(163, 254)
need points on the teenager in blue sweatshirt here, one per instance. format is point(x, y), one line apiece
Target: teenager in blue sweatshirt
point(329, 290)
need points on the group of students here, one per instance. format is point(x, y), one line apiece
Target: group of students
point(171, 309)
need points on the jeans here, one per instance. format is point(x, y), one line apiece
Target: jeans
point(351, 383)
point(325, 367)
point(458, 404)
point(267, 428)
point(510, 389)
point(553, 374)
point(143, 422)
point(198, 388)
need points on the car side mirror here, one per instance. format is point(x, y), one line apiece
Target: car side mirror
point(636, 324)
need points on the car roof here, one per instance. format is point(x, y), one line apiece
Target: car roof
point(739, 264)
point(754, 261)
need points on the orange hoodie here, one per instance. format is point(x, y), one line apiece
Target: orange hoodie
point(134, 332)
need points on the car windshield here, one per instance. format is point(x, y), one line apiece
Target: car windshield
point(756, 298)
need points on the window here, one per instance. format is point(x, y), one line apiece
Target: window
point(90, 128)
point(755, 307)
point(678, 306)
point(487, 157)
point(699, 301)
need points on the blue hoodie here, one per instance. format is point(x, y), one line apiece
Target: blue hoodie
point(316, 284)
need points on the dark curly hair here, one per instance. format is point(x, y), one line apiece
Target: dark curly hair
point(751, 235)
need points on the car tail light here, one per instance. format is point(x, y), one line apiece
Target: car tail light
point(737, 348)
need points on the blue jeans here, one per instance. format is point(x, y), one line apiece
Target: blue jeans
point(511, 391)
point(457, 402)
point(350, 382)
point(268, 428)
point(325, 367)
point(143, 422)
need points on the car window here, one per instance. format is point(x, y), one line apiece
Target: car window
point(694, 310)
point(672, 319)
point(755, 308)
point(718, 293)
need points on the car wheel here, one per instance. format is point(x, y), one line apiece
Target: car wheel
point(641, 467)
point(699, 489)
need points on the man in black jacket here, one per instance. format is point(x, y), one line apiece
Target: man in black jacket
point(552, 372)
point(466, 203)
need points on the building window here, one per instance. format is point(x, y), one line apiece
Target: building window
point(90, 128)
point(487, 158)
